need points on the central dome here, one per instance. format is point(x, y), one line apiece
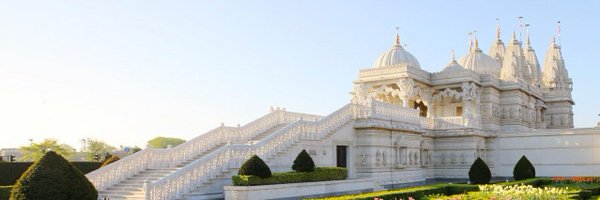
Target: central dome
point(479, 62)
point(395, 56)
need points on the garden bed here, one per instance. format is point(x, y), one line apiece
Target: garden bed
point(562, 188)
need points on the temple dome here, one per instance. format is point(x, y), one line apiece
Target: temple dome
point(479, 62)
point(453, 66)
point(395, 56)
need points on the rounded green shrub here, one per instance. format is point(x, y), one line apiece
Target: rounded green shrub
point(303, 162)
point(111, 159)
point(255, 166)
point(53, 177)
point(523, 169)
point(479, 172)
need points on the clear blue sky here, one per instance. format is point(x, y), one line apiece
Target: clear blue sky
point(127, 71)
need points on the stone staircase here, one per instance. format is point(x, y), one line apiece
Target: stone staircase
point(200, 156)
point(266, 133)
point(133, 187)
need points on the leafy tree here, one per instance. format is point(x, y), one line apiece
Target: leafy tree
point(92, 147)
point(255, 166)
point(303, 162)
point(109, 160)
point(136, 149)
point(479, 172)
point(35, 151)
point(164, 142)
point(53, 177)
point(523, 169)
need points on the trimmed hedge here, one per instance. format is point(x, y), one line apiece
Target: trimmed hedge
point(480, 172)
point(413, 192)
point(10, 172)
point(5, 192)
point(523, 169)
point(303, 162)
point(53, 177)
point(319, 174)
point(256, 167)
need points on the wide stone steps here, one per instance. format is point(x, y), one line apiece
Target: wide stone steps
point(267, 133)
point(200, 155)
point(133, 187)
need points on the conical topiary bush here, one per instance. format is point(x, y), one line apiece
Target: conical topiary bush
point(479, 172)
point(255, 166)
point(303, 162)
point(53, 177)
point(523, 169)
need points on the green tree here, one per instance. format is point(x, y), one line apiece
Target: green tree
point(303, 162)
point(92, 147)
point(523, 169)
point(109, 160)
point(479, 172)
point(53, 177)
point(164, 142)
point(35, 151)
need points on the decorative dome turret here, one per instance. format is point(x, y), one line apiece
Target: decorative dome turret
point(479, 62)
point(453, 65)
point(514, 62)
point(396, 56)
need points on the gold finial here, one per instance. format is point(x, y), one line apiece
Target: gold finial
point(397, 42)
point(475, 38)
point(470, 41)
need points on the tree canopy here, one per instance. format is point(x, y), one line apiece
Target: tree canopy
point(164, 142)
point(35, 151)
point(92, 147)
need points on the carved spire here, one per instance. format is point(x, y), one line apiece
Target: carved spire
point(498, 29)
point(528, 43)
point(497, 49)
point(514, 37)
point(397, 42)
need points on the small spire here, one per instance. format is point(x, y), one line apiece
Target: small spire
point(498, 29)
point(476, 43)
point(527, 35)
point(397, 43)
point(514, 37)
point(453, 56)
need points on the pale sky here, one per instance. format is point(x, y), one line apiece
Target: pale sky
point(127, 71)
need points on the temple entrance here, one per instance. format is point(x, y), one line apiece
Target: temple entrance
point(342, 154)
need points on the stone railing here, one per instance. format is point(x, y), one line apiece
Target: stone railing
point(165, 158)
point(389, 111)
point(448, 122)
point(232, 156)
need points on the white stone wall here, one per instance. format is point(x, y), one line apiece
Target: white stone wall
point(565, 152)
